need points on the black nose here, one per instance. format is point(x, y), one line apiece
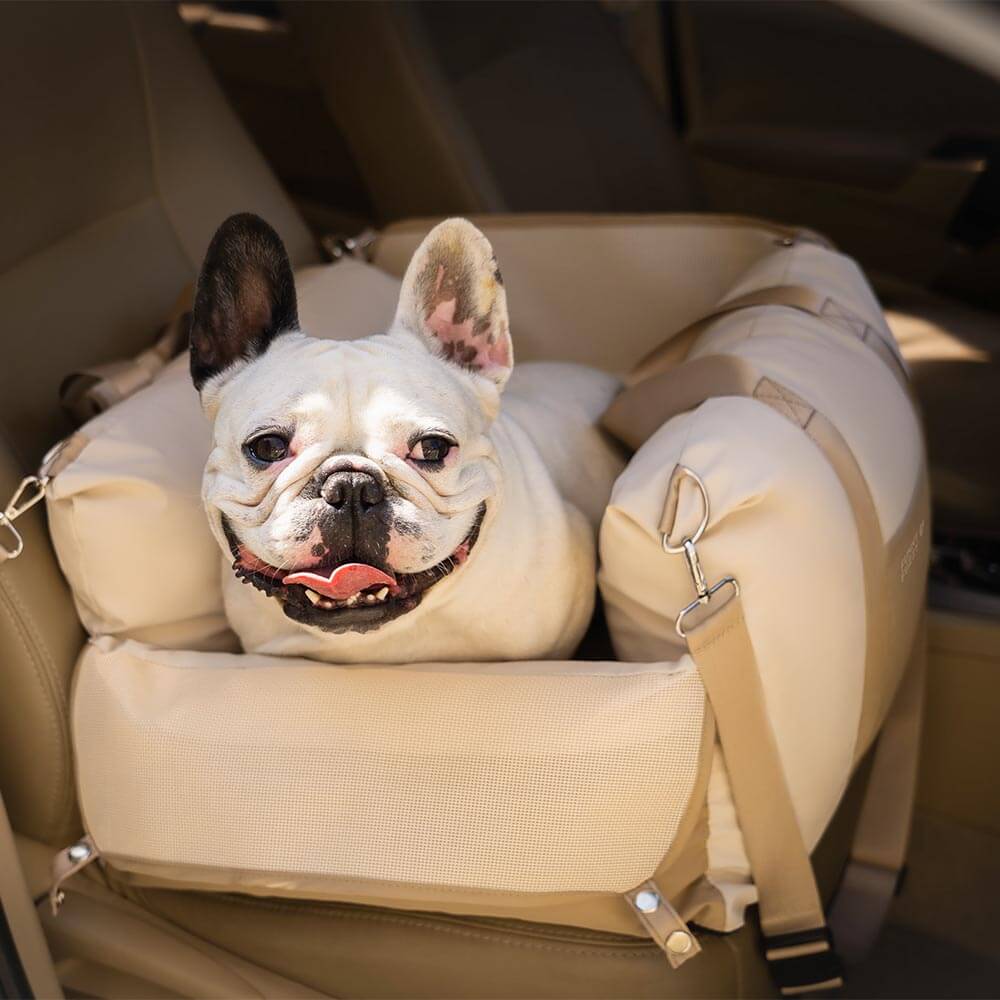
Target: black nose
point(356, 491)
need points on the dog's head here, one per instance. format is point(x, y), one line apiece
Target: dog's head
point(349, 478)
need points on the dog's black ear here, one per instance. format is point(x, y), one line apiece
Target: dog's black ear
point(245, 296)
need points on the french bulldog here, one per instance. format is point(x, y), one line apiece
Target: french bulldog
point(373, 500)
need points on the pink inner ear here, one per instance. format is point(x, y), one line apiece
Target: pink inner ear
point(462, 344)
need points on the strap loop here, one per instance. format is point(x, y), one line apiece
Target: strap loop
point(804, 962)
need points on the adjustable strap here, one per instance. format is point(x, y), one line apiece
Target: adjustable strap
point(799, 297)
point(797, 942)
point(91, 391)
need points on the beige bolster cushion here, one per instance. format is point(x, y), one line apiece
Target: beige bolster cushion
point(782, 524)
point(126, 516)
point(433, 783)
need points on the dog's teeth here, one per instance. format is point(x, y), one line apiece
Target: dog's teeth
point(326, 605)
point(351, 601)
point(313, 597)
point(382, 594)
point(369, 598)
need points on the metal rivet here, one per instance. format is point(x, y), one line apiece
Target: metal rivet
point(79, 852)
point(679, 943)
point(647, 901)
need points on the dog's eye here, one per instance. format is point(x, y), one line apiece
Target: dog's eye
point(431, 449)
point(266, 449)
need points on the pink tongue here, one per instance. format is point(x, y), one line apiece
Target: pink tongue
point(345, 581)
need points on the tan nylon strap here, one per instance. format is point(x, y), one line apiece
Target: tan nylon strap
point(721, 647)
point(797, 945)
point(800, 297)
point(789, 900)
point(638, 412)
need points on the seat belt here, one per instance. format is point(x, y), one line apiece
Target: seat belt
point(882, 835)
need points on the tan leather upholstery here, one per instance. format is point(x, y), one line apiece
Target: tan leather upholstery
point(126, 160)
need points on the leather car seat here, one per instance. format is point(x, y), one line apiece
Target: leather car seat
point(528, 109)
point(126, 158)
point(546, 111)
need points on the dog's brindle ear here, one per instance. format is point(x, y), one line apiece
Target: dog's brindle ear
point(453, 298)
point(245, 296)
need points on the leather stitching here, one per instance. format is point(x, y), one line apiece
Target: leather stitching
point(641, 949)
point(37, 655)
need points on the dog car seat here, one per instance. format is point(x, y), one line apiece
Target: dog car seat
point(574, 844)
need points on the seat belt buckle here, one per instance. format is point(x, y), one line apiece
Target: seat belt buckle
point(804, 962)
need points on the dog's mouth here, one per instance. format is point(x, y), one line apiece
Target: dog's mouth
point(349, 596)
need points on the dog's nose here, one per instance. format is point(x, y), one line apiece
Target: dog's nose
point(352, 490)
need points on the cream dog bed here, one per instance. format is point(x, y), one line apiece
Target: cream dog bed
point(775, 435)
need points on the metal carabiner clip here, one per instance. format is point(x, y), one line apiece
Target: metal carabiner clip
point(687, 547)
point(30, 491)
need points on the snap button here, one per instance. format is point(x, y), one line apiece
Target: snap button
point(647, 901)
point(679, 943)
point(78, 852)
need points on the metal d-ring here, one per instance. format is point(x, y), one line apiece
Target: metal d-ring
point(683, 472)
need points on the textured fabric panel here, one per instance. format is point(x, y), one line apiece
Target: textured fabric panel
point(573, 778)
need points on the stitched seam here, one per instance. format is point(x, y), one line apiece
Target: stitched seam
point(729, 628)
point(60, 710)
point(641, 949)
point(54, 704)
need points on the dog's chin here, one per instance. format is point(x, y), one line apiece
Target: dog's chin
point(365, 611)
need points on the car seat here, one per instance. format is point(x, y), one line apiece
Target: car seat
point(127, 159)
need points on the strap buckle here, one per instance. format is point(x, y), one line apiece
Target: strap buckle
point(687, 547)
point(804, 962)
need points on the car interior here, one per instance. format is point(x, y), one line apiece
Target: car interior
point(134, 129)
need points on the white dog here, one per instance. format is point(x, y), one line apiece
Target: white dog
point(375, 502)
